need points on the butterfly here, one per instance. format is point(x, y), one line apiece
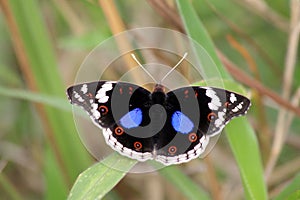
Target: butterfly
point(172, 128)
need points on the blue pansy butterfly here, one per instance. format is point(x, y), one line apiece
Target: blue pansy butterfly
point(171, 128)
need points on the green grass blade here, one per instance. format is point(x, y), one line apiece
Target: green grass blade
point(56, 102)
point(43, 67)
point(54, 179)
point(244, 146)
point(183, 183)
point(240, 134)
point(197, 32)
point(291, 191)
point(294, 196)
point(9, 188)
point(98, 180)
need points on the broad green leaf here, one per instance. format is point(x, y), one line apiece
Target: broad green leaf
point(240, 134)
point(98, 180)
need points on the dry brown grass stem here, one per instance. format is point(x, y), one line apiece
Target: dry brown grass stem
point(281, 129)
point(264, 131)
point(275, 68)
point(295, 101)
point(282, 176)
point(293, 140)
point(72, 18)
point(242, 77)
point(215, 188)
point(167, 12)
point(117, 26)
point(261, 8)
point(3, 164)
point(30, 81)
point(284, 172)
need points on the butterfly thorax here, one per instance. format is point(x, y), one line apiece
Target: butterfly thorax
point(158, 96)
point(159, 88)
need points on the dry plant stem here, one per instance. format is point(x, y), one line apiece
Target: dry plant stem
point(153, 183)
point(264, 135)
point(242, 77)
point(3, 164)
point(117, 26)
point(260, 8)
point(283, 175)
point(18, 155)
point(215, 189)
point(295, 101)
point(291, 56)
point(72, 17)
point(270, 63)
point(293, 140)
point(284, 172)
point(31, 83)
point(287, 170)
point(167, 12)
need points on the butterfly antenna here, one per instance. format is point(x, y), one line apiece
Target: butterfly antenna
point(180, 61)
point(136, 60)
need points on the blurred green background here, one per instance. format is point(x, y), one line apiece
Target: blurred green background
point(43, 43)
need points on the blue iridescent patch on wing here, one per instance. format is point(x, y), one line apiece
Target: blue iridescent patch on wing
point(181, 123)
point(132, 119)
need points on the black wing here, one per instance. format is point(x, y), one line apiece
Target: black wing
point(121, 109)
point(194, 115)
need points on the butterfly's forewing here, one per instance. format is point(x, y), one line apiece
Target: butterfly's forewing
point(218, 107)
point(84, 95)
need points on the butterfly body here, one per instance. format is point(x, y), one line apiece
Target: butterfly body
point(172, 127)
